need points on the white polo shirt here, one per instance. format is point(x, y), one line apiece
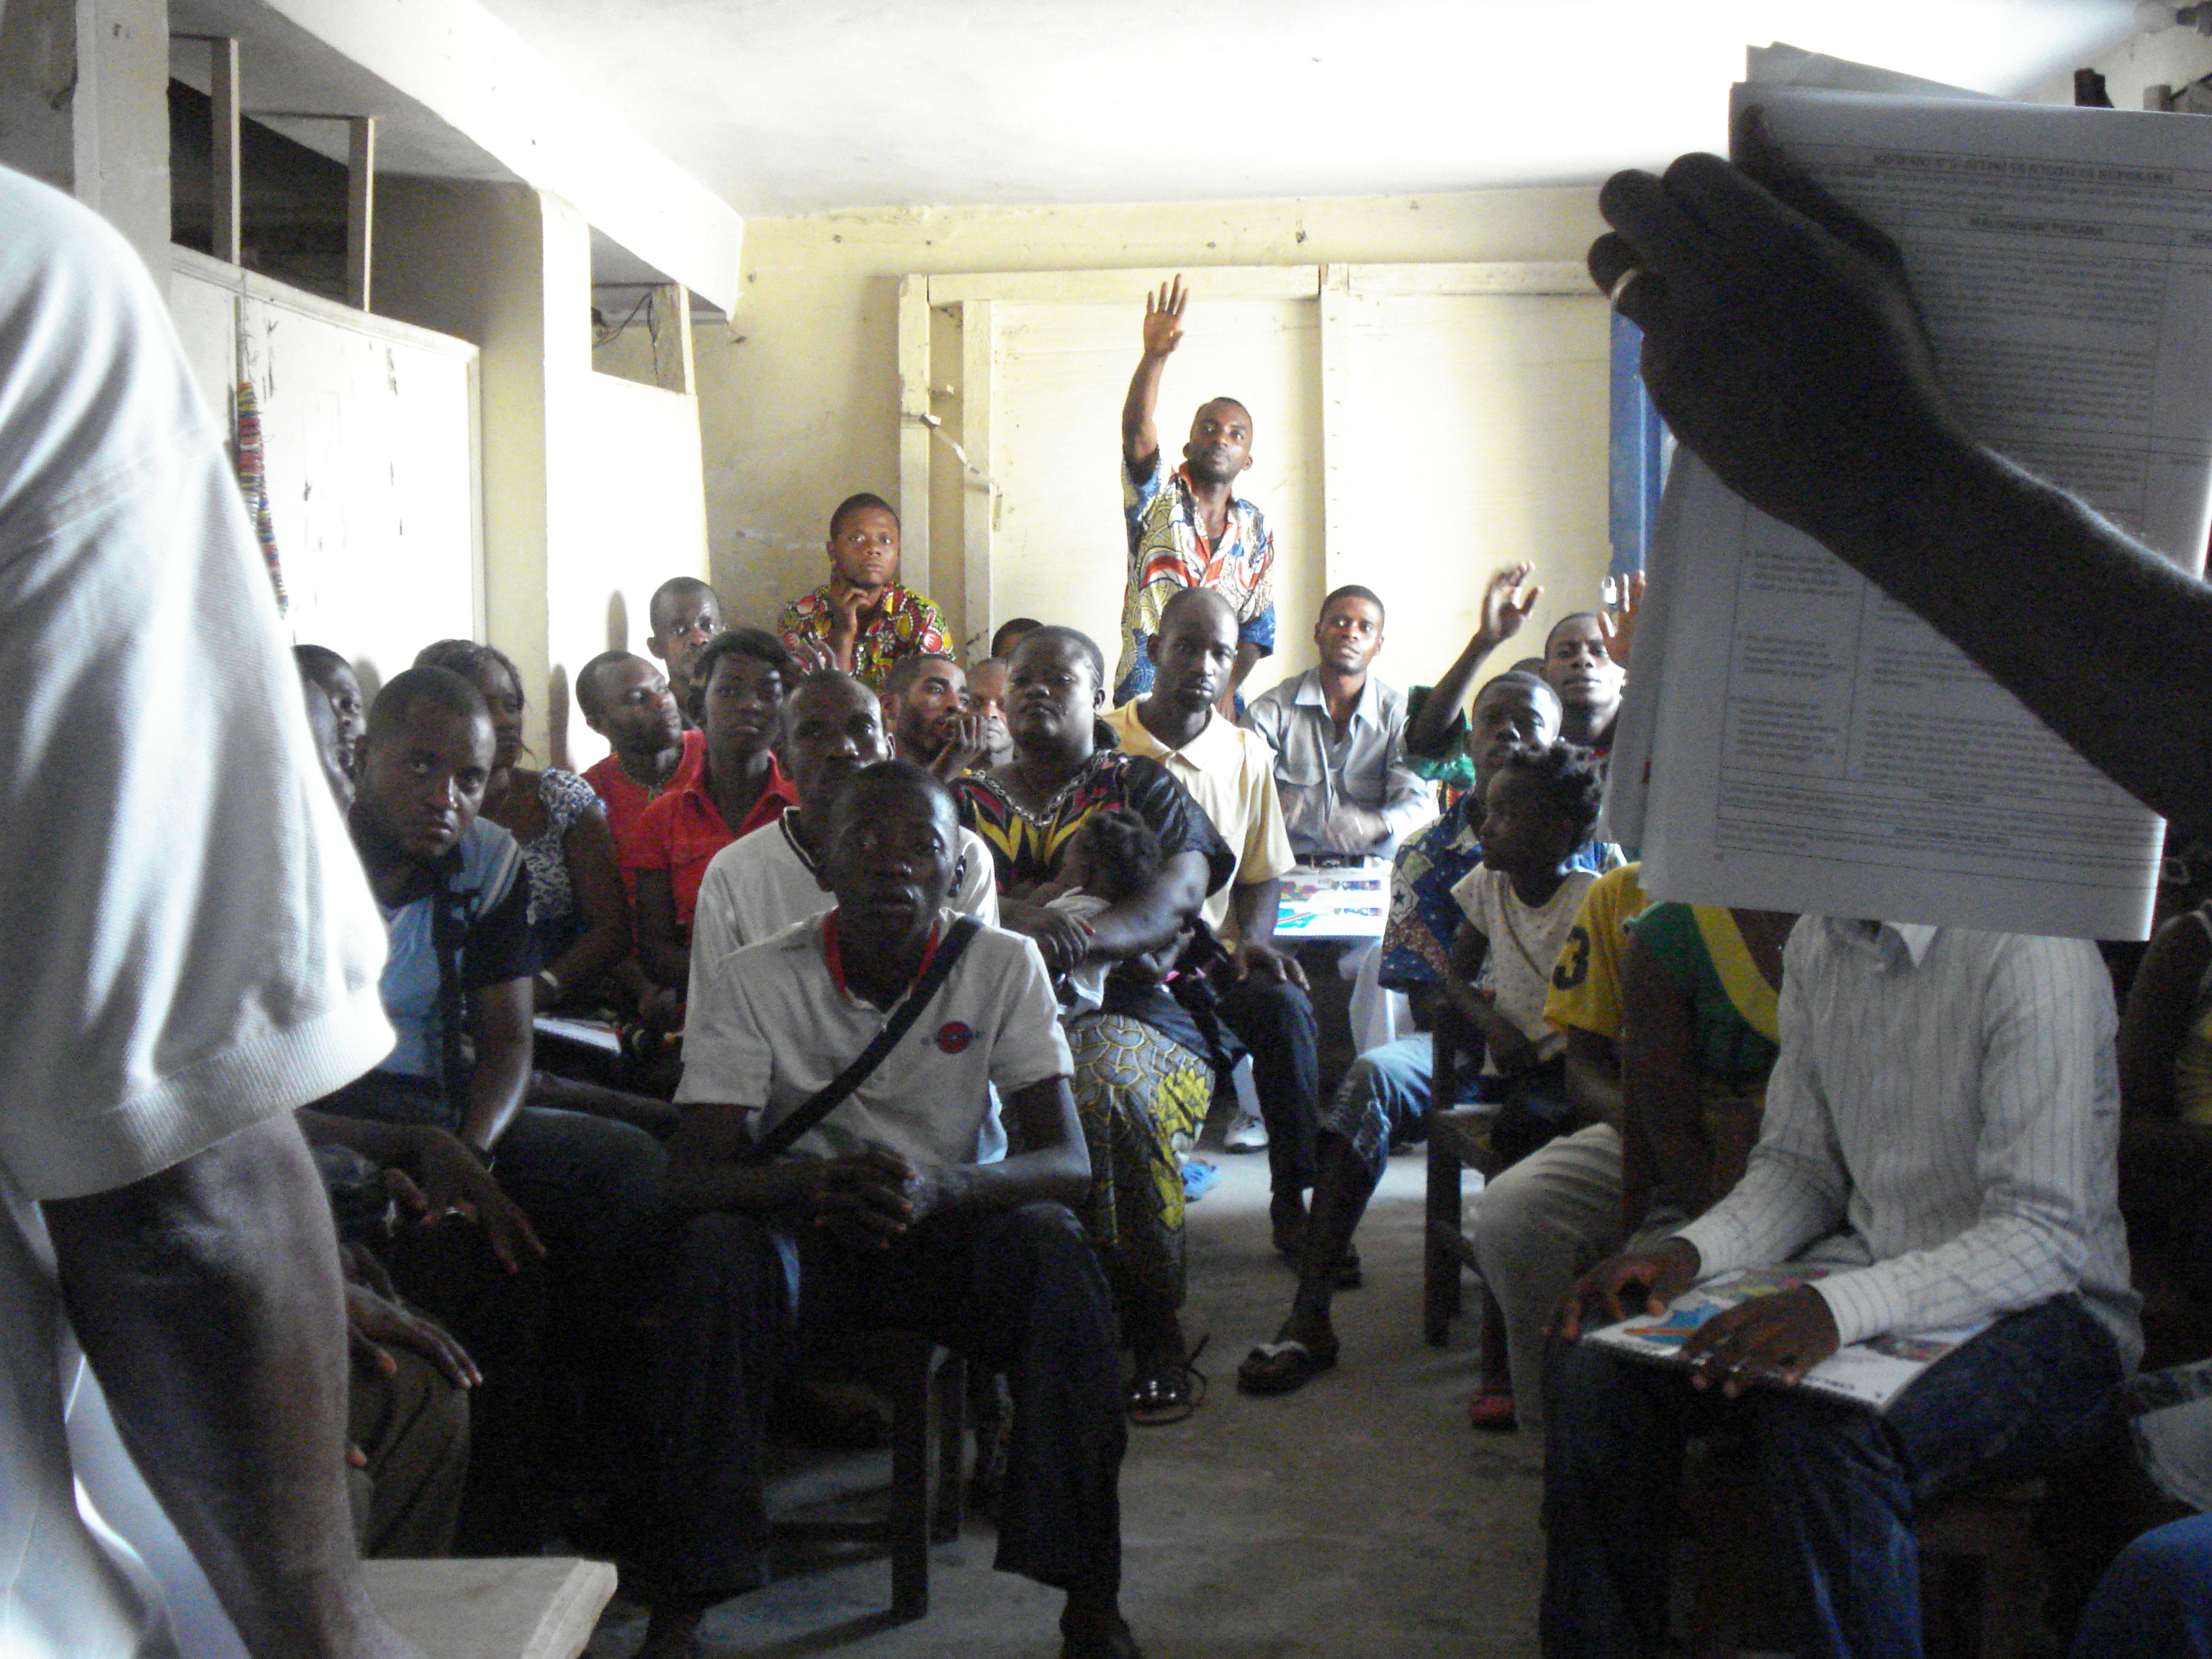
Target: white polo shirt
point(762, 882)
point(772, 1026)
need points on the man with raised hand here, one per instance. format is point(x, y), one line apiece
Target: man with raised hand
point(1338, 734)
point(1188, 528)
point(812, 1209)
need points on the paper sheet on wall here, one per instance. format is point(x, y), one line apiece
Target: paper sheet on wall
point(1793, 738)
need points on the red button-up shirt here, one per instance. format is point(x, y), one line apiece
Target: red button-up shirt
point(682, 830)
point(626, 799)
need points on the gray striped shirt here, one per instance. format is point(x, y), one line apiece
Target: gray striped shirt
point(1949, 1097)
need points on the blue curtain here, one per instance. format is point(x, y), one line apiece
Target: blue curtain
point(1638, 466)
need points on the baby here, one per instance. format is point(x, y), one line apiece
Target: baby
point(1112, 857)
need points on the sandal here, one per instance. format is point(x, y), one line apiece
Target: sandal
point(1168, 1392)
point(1492, 1410)
point(1283, 1367)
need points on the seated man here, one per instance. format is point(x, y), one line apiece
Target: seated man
point(1385, 1095)
point(1229, 773)
point(1942, 1120)
point(683, 613)
point(925, 705)
point(453, 1096)
point(1339, 735)
point(878, 1215)
point(626, 700)
point(861, 621)
point(987, 702)
point(831, 727)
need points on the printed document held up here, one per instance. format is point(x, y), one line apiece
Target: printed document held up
point(1811, 745)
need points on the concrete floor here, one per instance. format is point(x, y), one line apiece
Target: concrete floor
point(1360, 1518)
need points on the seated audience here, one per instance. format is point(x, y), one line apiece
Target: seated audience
point(1531, 1216)
point(877, 1215)
point(861, 621)
point(925, 701)
point(333, 677)
point(1941, 1123)
point(454, 1097)
point(1515, 908)
point(578, 913)
point(626, 701)
point(986, 703)
point(683, 615)
point(1585, 660)
point(1339, 738)
point(829, 727)
point(1143, 1070)
point(1231, 774)
point(742, 675)
point(406, 1394)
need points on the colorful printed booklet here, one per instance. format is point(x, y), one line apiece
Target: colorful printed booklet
point(1869, 1374)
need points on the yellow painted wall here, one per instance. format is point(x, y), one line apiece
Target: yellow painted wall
point(799, 395)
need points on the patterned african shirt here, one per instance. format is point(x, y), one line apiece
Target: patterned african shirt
point(907, 625)
point(1169, 550)
point(1028, 848)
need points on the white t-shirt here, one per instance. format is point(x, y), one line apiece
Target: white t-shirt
point(760, 884)
point(772, 1028)
point(193, 947)
point(1524, 946)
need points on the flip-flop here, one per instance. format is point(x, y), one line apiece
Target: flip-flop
point(1281, 1367)
point(1492, 1410)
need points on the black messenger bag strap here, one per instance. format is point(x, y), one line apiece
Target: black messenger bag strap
point(779, 1139)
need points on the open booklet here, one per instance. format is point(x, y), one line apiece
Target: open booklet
point(1795, 739)
point(1870, 1374)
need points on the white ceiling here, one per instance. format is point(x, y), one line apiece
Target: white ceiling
point(787, 106)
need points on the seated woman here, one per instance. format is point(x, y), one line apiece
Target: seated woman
point(1141, 1074)
point(578, 914)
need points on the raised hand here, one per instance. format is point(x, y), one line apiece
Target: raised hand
point(1617, 622)
point(1781, 342)
point(1163, 319)
point(1506, 602)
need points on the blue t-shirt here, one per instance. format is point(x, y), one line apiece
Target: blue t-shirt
point(484, 873)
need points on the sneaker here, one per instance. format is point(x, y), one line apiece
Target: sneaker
point(1246, 1134)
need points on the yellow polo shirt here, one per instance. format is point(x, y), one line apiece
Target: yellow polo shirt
point(1230, 772)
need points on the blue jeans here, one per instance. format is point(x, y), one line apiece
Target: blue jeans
point(1841, 1482)
point(1384, 1097)
point(2155, 1601)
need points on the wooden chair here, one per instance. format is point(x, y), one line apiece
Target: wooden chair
point(926, 1385)
point(1458, 1140)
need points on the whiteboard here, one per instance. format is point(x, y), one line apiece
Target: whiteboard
point(370, 441)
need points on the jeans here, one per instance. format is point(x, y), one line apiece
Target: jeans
point(1275, 1021)
point(2023, 1396)
point(1018, 1290)
point(2155, 1601)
